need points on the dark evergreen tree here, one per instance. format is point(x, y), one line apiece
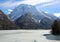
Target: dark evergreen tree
point(56, 27)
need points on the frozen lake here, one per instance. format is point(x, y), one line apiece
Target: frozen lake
point(27, 36)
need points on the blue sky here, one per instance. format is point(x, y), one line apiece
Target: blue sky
point(48, 6)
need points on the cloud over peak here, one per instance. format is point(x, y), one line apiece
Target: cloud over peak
point(10, 3)
point(57, 14)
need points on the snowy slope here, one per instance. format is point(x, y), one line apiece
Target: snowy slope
point(23, 9)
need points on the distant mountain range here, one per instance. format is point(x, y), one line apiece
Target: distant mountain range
point(5, 23)
point(28, 17)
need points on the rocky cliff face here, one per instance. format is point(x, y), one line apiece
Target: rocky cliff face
point(5, 23)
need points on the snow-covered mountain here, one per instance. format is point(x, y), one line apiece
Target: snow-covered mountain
point(23, 9)
point(29, 14)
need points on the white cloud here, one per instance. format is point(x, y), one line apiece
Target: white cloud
point(49, 4)
point(9, 11)
point(34, 2)
point(46, 12)
point(57, 14)
point(10, 4)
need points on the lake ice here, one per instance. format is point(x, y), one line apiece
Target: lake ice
point(27, 36)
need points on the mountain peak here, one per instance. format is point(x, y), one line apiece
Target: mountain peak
point(24, 5)
point(20, 10)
